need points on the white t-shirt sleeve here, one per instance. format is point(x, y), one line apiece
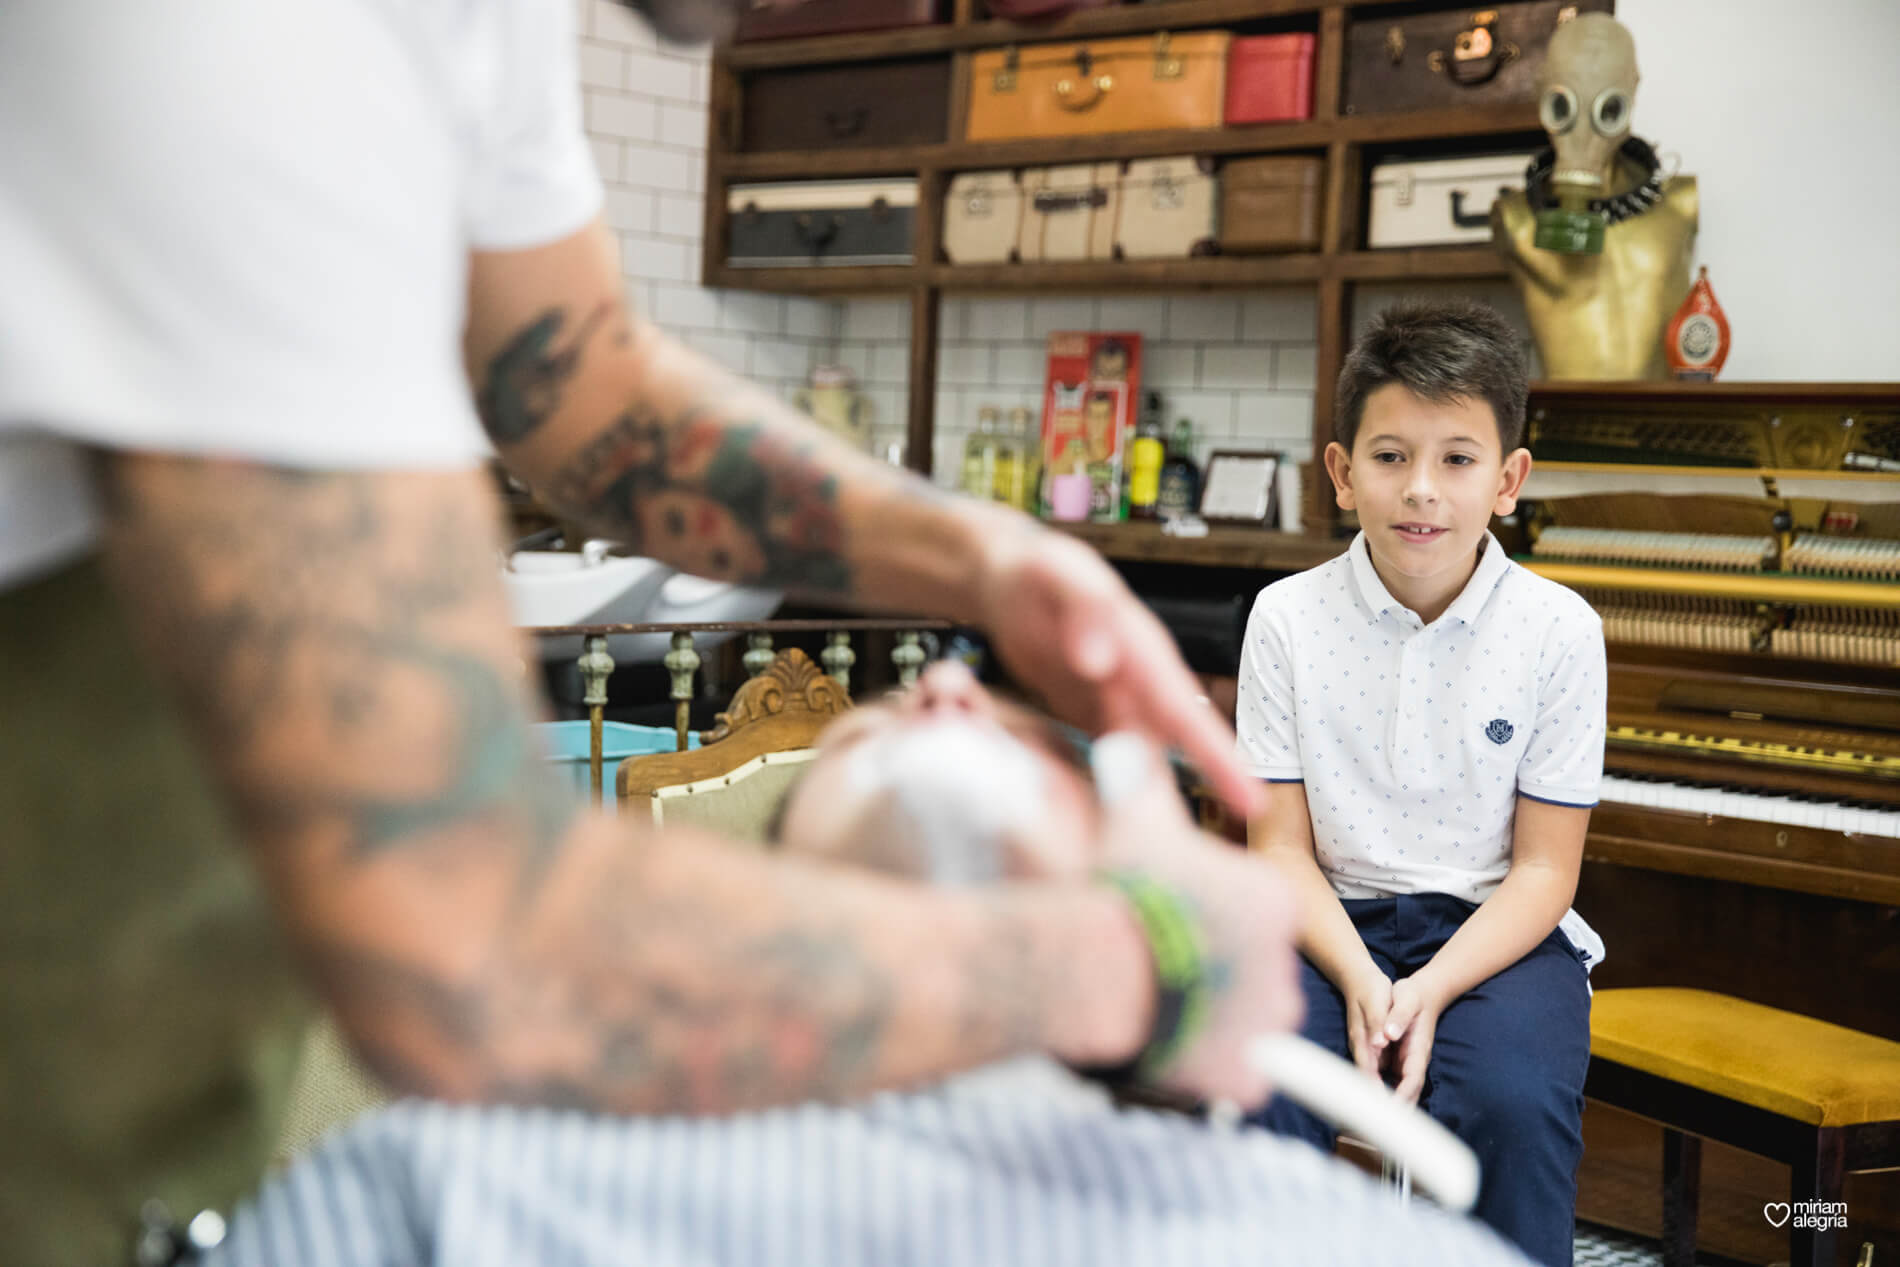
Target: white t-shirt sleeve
point(534, 179)
point(1563, 762)
point(247, 234)
point(1265, 718)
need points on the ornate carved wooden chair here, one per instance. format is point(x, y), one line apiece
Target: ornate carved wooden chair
point(733, 782)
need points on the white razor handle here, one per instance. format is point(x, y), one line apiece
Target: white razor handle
point(1333, 1089)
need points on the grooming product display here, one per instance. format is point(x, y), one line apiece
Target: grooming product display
point(1180, 492)
point(1454, 57)
point(847, 106)
point(833, 222)
point(1088, 410)
point(1696, 343)
point(1433, 202)
point(1140, 84)
point(768, 21)
point(1270, 204)
point(1269, 79)
point(1166, 209)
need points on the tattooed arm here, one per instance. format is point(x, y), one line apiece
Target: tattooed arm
point(342, 644)
point(622, 428)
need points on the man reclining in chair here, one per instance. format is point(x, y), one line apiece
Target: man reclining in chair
point(1021, 1161)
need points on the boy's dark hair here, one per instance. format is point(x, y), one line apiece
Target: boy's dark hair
point(1440, 350)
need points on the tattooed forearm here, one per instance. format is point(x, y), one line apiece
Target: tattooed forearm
point(523, 384)
point(308, 620)
point(719, 497)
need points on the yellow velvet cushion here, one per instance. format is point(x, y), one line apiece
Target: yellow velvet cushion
point(1792, 1065)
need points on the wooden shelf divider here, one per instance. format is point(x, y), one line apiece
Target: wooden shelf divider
point(1344, 138)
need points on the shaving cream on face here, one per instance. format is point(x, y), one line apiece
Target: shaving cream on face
point(957, 790)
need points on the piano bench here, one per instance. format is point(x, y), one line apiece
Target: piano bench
point(1821, 1098)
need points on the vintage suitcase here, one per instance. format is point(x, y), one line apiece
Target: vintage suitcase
point(1270, 204)
point(982, 217)
point(778, 20)
point(1168, 209)
point(1439, 201)
point(1270, 79)
point(833, 222)
point(1452, 58)
point(1069, 212)
point(1129, 85)
point(847, 105)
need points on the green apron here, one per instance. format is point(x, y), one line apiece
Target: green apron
point(149, 1021)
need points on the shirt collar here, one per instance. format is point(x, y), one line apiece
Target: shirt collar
point(1492, 564)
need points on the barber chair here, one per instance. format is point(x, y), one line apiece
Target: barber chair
point(737, 778)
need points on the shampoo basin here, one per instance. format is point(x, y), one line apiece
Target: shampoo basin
point(598, 588)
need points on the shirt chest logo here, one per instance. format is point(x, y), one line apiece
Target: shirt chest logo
point(1499, 731)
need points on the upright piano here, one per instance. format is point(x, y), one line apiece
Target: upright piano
point(1742, 544)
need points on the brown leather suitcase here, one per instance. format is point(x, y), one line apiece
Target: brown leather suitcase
point(1454, 57)
point(1128, 85)
point(770, 20)
point(849, 105)
point(1270, 204)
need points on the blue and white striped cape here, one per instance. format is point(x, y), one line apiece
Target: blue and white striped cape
point(1018, 1164)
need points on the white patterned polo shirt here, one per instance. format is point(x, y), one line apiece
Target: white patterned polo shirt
point(1414, 740)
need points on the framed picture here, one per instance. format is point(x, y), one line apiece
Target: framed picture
point(1239, 487)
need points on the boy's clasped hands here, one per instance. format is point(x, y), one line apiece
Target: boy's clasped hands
point(1390, 1025)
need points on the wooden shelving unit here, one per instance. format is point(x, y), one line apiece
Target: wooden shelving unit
point(1252, 548)
point(1342, 138)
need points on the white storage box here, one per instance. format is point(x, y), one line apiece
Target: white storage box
point(1069, 212)
point(1168, 209)
point(1439, 202)
point(982, 217)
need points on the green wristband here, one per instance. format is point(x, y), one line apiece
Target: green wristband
point(1179, 951)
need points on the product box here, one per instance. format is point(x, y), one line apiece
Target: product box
point(1088, 421)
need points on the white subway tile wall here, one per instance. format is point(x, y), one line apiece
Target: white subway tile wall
point(993, 352)
point(645, 107)
point(1240, 366)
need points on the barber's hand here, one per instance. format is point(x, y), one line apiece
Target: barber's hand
point(1409, 1029)
point(1067, 627)
point(1246, 912)
point(1368, 998)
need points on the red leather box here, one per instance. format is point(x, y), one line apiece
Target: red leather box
point(1270, 79)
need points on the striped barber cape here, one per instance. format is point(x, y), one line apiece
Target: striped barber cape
point(1021, 1163)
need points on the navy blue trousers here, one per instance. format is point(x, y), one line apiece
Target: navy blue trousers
point(1506, 1069)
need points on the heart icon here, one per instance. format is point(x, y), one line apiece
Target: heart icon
point(1776, 1212)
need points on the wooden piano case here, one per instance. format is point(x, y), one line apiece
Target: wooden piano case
point(1801, 915)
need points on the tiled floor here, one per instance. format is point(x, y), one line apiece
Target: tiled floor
point(1605, 1247)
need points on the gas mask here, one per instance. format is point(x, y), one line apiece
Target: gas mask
point(1586, 92)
